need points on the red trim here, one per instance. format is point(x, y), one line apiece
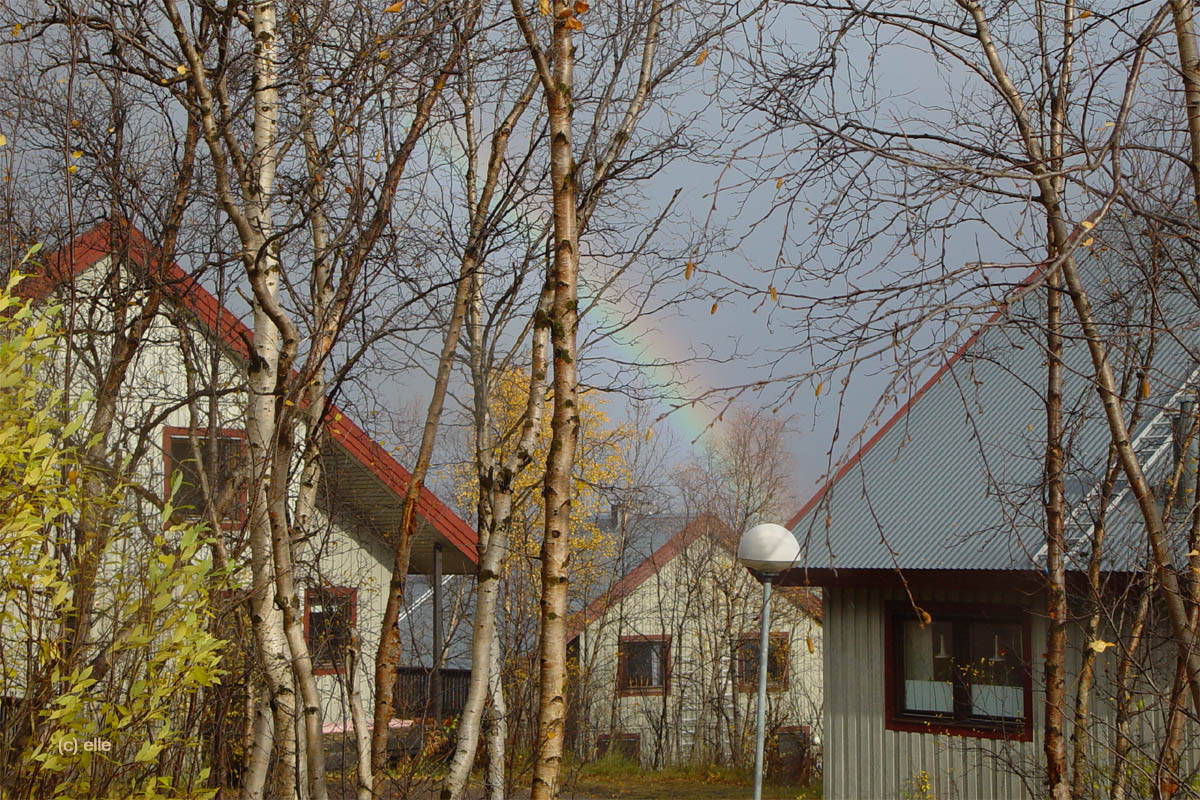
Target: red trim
point(657, 691)
point(171, 432)
point(705, 524)
point(749, 683)
point(896, 720)
point(328, 591)
point(90, 248)
point(1024, 580)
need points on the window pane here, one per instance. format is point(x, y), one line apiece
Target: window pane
point(928, 667)
point(996, 675)
point(329, 617)
point(644, 665)
point(188, 497)
point(777, 660)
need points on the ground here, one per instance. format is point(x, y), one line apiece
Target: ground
point(614, 782)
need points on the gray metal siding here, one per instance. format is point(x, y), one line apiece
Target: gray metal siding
point(953, 483)
point(862, 758)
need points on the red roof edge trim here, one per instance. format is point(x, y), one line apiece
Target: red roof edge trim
point(904, 409)
point(92, 246)
point(654, 562)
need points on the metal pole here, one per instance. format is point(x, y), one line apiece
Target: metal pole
point(763, 652)
point(435, 678)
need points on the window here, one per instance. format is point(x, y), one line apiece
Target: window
point(747, 662)
point(966, 671)
point(643, 665)
point(227, 484)
point(330, 612)
point(625, 745)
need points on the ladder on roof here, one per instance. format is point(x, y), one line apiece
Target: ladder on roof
point(1156, 439)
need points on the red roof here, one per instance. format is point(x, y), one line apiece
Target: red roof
point(705, 524)
point(87, 250)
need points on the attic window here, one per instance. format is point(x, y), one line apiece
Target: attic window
point(643, 665)
point(226, 476)
point(330, 614)
point(965, 672)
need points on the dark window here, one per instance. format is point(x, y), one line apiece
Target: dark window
point(227, 485)
point(964, 668)
point(747, 661)
point(329, 615)
point(643, 665)
point(625, 745)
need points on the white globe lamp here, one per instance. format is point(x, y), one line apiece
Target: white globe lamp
point(766, 550)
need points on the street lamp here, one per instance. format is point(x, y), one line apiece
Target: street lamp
point(766, 550)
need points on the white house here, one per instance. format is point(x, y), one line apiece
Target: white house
point(196, 342)
point(667, 660)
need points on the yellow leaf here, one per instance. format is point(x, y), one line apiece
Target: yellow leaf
point(573, 24)
point(1087, 224)
point(808, 641)
point(774, 295)
point(700, 58)
point(17, 29)
point(76, 154)
point(1145, 388)
point(925, 618)
point(71, 169)
point(713, 310)
point(779, 183)
point(649, 433)
point(1084, 14)
point(688, 270)
point(1100, 645)
point(544, 7)
point(1193, 552)
point(1087, 242)
point(820, 386)
point(181, 69)
point(3, 140)
point(395, 7)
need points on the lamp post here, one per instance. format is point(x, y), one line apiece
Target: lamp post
point(766, 550)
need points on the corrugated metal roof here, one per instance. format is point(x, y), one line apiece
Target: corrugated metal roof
point(953, 481)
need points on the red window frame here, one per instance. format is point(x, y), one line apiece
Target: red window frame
point(747, 680)
point(955, 724)
point(623, 689)
point(331, 667)
point(170, 434)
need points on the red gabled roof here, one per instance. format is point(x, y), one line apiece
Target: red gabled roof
point(702, 525)
point(90, 248)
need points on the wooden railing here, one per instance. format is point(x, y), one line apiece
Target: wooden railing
point(415, 697)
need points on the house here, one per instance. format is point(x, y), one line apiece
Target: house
point(667, 658)
point(195, 341)
point(928, 546)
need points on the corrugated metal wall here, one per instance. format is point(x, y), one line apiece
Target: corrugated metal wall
point(862, 759)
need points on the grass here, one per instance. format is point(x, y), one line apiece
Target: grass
point(616, 777)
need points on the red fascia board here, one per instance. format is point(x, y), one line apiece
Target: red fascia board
point(659, 559)
point(639, 574)
point(94, 245)
point(904, 409)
